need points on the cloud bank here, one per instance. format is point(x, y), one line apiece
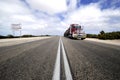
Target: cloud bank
point(39, 17)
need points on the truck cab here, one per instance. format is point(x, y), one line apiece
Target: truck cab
point(77, 32)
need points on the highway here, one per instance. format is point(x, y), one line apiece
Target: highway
point(60, 58)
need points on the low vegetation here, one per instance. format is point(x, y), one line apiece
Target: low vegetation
point(28, 35)
point(104, 36)
point(8, 36)
point(23, 36)
point(92, 36)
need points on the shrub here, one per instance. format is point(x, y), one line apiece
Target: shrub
point(109, 35)
point(27, 35)
point(10, 36)
point(92, 36)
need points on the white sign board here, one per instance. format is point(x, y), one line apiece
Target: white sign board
point(16, 26)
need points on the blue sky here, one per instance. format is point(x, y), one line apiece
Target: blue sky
point(39, 17)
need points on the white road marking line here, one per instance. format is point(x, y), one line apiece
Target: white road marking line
point(56, 74)
point(66, 64)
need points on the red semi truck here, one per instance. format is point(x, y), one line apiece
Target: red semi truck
point(75, 31)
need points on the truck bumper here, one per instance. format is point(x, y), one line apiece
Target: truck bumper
point(79, 36)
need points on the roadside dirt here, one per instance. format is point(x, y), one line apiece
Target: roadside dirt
point(10, 42)
point(113, 42)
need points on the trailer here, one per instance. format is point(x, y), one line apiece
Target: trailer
point(75, 31)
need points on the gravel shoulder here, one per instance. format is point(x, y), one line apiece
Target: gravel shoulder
point(113, 42)
point(15, 41)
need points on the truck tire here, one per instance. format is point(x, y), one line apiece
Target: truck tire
point(82, 38)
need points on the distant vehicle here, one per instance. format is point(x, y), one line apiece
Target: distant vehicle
point(75, 31)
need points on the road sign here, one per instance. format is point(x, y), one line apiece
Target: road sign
point(16, 26)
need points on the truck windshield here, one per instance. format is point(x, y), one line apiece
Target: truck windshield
point(77, 26)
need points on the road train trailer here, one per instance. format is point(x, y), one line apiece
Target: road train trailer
point(75, 31)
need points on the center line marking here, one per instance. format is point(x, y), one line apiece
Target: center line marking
point(56, 74)
point(66, 64)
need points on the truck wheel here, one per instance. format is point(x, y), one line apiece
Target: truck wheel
point(82, 38)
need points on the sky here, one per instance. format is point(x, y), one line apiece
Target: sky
point(53, 17)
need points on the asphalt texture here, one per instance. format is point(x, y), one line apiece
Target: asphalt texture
point(35, 60)
point(92, 60)
point(29, 61)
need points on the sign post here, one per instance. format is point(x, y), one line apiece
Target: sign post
point(16, 27)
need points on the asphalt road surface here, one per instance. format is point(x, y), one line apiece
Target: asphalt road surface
point(60, 59)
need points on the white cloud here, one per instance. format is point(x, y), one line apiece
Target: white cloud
point(86, 14)
point(72, 6)
point(36, 26)
point(23, 18)
point(94, 19)
point(112, 12)
point(13, 7)
point(48, 6)
point(16, 12)
point(90, 16)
